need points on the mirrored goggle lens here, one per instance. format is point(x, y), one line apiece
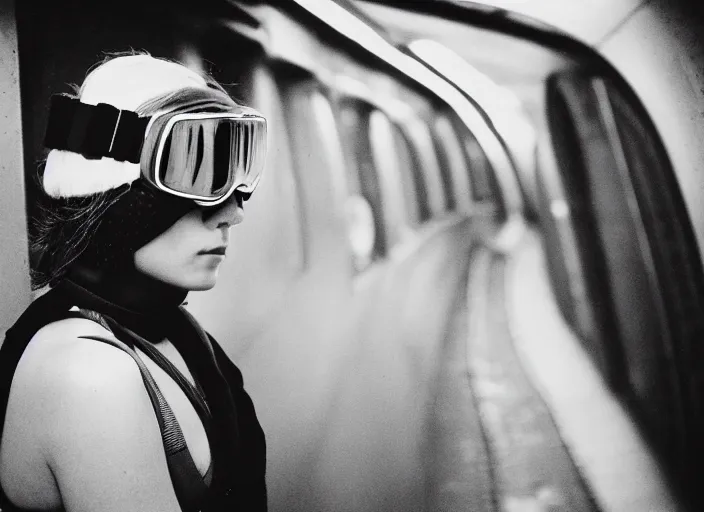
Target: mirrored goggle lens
point(208, 158)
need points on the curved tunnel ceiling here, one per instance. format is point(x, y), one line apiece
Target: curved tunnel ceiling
point(588, 20)
point(508, 61)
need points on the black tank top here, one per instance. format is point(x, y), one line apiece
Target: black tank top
point(236, 478)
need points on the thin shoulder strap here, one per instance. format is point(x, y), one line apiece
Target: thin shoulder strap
point(190, 487)
point(193, 392)
point(170, 430)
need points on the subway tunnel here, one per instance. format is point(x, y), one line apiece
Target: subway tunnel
point(471, 277)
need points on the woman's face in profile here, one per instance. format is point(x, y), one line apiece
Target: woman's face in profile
point(188, 254)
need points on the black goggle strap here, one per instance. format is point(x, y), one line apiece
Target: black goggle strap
point(95, 131)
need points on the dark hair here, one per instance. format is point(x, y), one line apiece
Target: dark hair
point(61, 231)
point(64, 226)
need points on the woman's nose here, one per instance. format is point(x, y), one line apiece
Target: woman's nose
point(230, 213)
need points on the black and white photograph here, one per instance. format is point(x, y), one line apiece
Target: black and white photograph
point(352, 256)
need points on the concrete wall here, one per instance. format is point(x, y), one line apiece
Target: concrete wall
point(14, 268)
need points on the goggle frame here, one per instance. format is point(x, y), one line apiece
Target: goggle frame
point(247, 114)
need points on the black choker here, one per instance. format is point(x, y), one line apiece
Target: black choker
point(139, 302)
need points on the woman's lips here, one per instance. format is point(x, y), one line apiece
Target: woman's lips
point(218, 250)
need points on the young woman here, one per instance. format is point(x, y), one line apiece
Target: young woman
point(112, 397)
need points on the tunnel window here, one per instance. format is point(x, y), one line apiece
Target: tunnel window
point(363, 180)
point(334, 207)
point(445, 169)
point(481, 175)
point(453, 159)
point(358, 215)
point(411, 177)
point(421, 142)
point(386, 160)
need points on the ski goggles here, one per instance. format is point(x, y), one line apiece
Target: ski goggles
point(203, 156)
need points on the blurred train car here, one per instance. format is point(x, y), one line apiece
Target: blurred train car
point(406, 142)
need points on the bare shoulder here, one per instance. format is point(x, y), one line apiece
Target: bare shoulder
point(59, 362)
point(70, 382)
point(83, 405)
point(59, 378)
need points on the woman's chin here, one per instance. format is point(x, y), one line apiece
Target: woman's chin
point(203, 286)
point(203, 282)
point(198, 282)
